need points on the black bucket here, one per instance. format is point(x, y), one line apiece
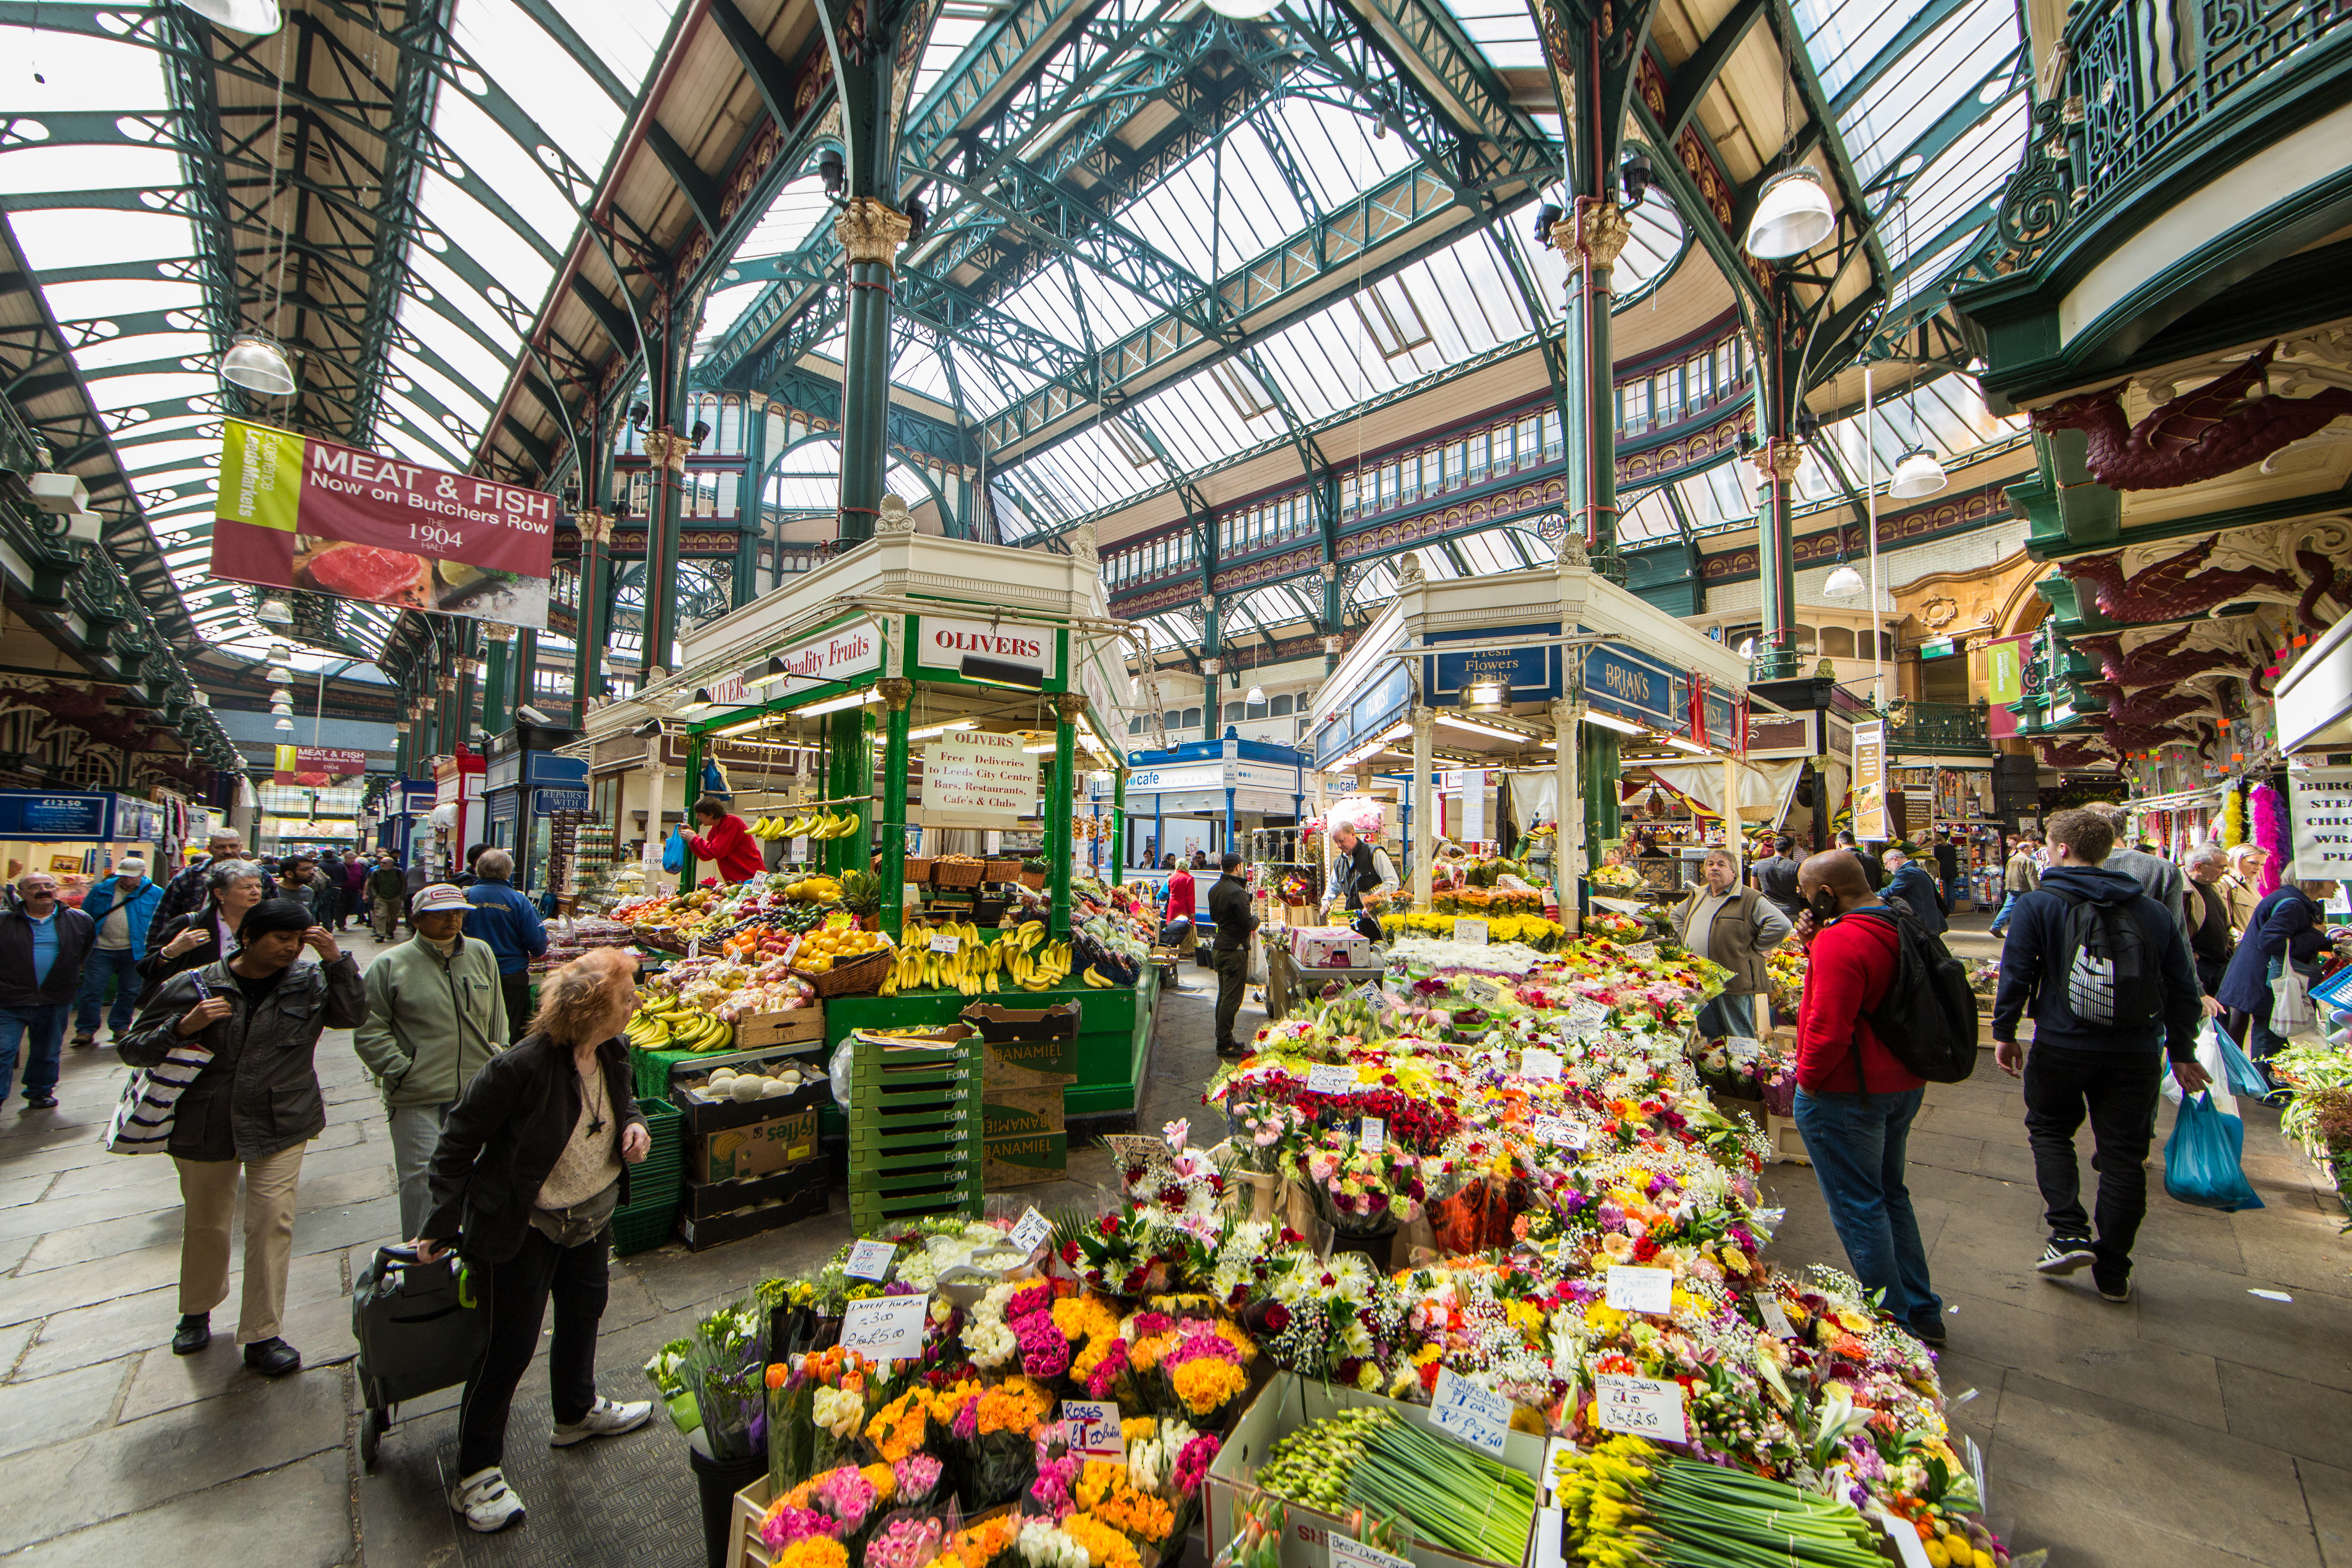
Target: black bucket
point(717, 1481)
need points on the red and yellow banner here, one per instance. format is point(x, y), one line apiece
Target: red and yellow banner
point(296, 512)
point(319, 767)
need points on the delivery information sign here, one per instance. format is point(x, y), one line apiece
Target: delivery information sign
point(295, 512)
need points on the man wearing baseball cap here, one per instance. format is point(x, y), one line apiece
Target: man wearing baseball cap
point(121, 907)
point(436, 1013)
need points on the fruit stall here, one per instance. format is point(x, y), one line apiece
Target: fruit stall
point(929, 732)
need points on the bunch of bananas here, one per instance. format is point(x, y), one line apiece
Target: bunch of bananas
point(1034, 964)
point(809, 825)
point(668, 1024)
point(972, 968)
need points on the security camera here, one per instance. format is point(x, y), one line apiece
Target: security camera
point(531, 715)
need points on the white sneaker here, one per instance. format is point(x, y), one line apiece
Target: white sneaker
point(606, 1418)
point(487, 1501)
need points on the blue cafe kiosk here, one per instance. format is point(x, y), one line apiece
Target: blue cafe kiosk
point(530, 796)
point(1208, 794)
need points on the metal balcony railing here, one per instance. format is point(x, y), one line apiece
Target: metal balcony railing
point(1943, 726)
point(2143, 83)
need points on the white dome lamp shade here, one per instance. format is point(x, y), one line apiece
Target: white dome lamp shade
point(1843, 584)
point(258, 18)
point(281, 722)
point(1792, 215)
point(1916, 474)
point(1255, 695)
point(1243, 10)
point(275, 612)
point(256, 363)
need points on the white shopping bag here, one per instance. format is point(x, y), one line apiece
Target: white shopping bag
point(2209, 1056)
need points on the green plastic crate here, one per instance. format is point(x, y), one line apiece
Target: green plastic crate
point(914, 1132)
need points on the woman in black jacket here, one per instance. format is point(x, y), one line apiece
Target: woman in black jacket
point(531, 1164)
point(207, 933)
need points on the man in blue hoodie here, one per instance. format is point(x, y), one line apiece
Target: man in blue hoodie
point(2100, 1039)
point(120, 906)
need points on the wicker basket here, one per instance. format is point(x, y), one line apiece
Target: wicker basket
point(1001, 871)
point(854, 978)
point(917, 868)
point(956, 873)
point(1034, 881)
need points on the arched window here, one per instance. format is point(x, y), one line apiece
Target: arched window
point(1837, 642)
point(1279, 706)
point(1135, 725)
point(1254, 711)
point(1190, 721)
point(1233, 712)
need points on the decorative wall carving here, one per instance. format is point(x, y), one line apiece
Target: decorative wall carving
point(2222, 427)
point(2294, 565)
point(1952, 603)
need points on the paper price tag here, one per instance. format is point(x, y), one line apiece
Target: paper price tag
point(1560, 1132)
point(942, 942)
point(1477, 1415)
point(1372, 993)
point(1470, 933)
point(1331, 1078)
point(1636, 1290)
point(1644, 950)
point(1775, 1318)
point(1033, 1231)
point(1091, 1428)
point(884, 1328)
point(694, 948)
point(869, 1260)
point(1482, 991)
point(1587, 1014)
point(1907, 1545)
point(1540, 1064)
point(1645, 1406)
point(1346, 1553)
point(1372, 1133)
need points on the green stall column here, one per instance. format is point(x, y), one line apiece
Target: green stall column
point(897, 694)
point(1598, 772)
point(1068, 707)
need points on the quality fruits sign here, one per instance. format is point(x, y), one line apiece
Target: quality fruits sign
point(295, 512)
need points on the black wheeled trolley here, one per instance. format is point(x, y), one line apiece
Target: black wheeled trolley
point(419, 1327)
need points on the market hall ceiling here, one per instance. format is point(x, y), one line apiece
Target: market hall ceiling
point(463, 216)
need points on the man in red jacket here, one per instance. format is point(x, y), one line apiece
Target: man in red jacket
point(726, 840)
point(1855, 1102)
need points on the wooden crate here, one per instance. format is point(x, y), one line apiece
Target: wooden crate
point(744, 1547)
point(794, 1025)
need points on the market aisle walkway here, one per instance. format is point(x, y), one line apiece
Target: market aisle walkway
point(2199, 1425)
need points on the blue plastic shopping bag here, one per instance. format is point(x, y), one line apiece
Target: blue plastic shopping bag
point(673, 851)
point(2244, 1076)
point(2201, 1158)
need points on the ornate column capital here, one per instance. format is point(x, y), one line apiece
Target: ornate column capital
point(1780, 459)
point(893, 518)
point(1594, 234)
point(871, 231)
point(498, 631)
point(596, 527)
point(1334, 644)
point(1424, 723)
point(1212, 667)
point(897, 692)
point(1070, 705)
point(1329, 571)
point(665, 449)
point(1409, 570)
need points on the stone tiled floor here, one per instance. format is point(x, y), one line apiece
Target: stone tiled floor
point(2198, 1425)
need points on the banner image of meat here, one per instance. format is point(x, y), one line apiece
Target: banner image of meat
point(296, 512)
point(320, 767)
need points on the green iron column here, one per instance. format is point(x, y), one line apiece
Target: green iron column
point(522, 672)
point(1118, 824)
point(1600, 782)
point(871, 232)
point(1068, 707)
point(1590, 238)
point(1212, 666)
point(897, 694)
point(1777, 359)
point(747, 502)
point(588, 628)
point(495, 677)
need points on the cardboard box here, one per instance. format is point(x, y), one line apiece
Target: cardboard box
point(1023, 1138)
point(761, 1149)
point(704, 1117)
point(794, 1026)
point(1288, 1403)
point(1329, 947)
point(1027, 1048)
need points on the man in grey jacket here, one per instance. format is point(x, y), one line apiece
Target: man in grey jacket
point(436, 1014)
point(2158, 878)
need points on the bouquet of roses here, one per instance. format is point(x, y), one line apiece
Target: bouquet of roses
point(838, 1504)
point(992, 1436)
point(1359, 1190)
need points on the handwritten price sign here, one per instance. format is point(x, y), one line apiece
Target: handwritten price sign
point(1560, 1132)
point(946, 943)
point(1634, 1289)
point(1091, 1427)
point(1033, 1231)
point(884, 1328)
point(869, 1260)
point(1644, 1406)
point(1331, 1078)
point(1477, 1415)
point(1538, 1064)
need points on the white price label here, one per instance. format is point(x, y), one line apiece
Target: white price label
point(1645, 1406)
point(1372, 1133)
point(1586, 1014)
point(1331, 1078)
point(1644, 950)
point(1372, 993)
point(942, 942)
point(1346, 1553)
point(1538, 1064)
point(1091, 1428)
point(1635, 1290)
point(1482, 991)
point(1470, 932)
point(1477, 1414)
point(1560, 1132)
point(1907, 1545)
point(884, 1328)
point(870, 1260)
point(1775, 1318)
point(1033, 1231)
point(694, 948)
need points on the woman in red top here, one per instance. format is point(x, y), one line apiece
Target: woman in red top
point(727, 841)
point(1855, 1102)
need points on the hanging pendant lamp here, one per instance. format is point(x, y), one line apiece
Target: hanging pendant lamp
point(1243, 10)
point(1916, 473)
point(1792, 215)
point(1843, 584)
point(258, 18)
point(256, 363)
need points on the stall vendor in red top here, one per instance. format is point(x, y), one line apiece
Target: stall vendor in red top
point(1855, 1102)
point(726, 840)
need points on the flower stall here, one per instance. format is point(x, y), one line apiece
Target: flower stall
point(1471, 1257)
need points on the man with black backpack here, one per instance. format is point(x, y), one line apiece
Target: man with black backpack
point(1887, 1009)
point(2105, 973)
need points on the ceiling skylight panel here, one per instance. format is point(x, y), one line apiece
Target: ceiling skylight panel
point(152, 386)
point(109, 353)
point(1844, 35)
point(950, 35)
point(1114, 307)
point(485, 238)
point(800, 210)
point(1173, 216)
point(103, 298)
point(1259, 212)
point(494, 162)
point(1930, 79)
point(450, 444)
point(624, 33)
point(60, 237)
point(148, 455)
point(459, 349)
point(426, 268)
point(453, 395)
point(36, 169)
point(1971, 172)
point(1503, 30)
point(566, 103)
point(1716, 498)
